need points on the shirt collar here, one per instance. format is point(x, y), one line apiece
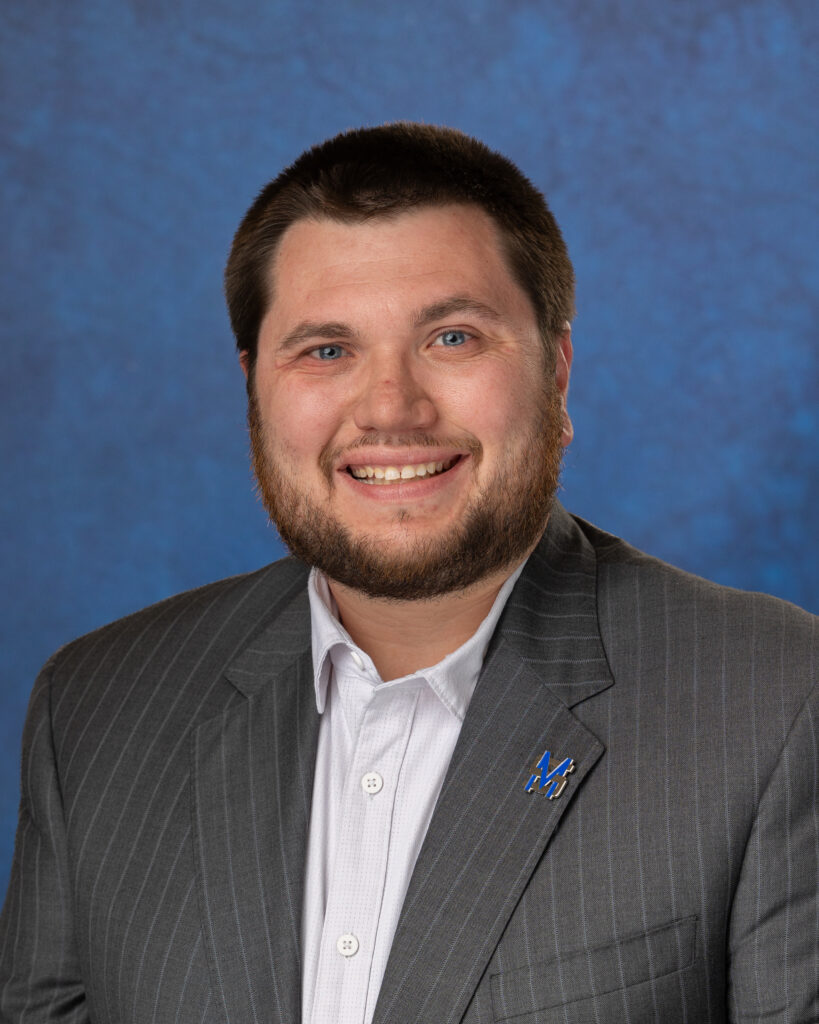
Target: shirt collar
point(453, 679)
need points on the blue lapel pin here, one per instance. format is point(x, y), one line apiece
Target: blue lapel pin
point(553, 780)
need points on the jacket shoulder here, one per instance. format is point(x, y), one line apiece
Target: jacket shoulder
point(619, 564)
point(663, 616)
point(245, 596)
point(191, 635)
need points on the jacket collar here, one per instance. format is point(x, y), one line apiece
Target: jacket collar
point(550, 620)
point(282, 640)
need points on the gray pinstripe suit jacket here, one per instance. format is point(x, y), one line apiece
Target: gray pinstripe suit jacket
point(166, 795)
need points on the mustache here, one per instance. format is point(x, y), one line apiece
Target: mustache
point(332, 456)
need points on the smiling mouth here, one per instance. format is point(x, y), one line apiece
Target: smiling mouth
point(394, 474)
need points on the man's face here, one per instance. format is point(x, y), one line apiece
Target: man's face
point(405, 433)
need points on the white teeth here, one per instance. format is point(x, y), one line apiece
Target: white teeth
point(388, 474)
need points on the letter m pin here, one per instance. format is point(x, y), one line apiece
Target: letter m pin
point(553, 780)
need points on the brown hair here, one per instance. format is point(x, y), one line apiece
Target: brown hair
point(384, 171)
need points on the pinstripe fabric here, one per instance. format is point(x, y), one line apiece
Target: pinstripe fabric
point(166, 787)
point(679, 882)
point(106, 917)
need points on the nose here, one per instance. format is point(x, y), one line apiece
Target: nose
point(393, 400)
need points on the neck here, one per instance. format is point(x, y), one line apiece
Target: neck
point(404, 636)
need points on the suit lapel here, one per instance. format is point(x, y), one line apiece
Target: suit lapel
point(488, 834)
point(252, 784)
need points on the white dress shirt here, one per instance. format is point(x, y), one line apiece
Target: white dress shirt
point(383, 751)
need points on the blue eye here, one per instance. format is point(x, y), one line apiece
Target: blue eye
point(328, 352)
point(451, 339)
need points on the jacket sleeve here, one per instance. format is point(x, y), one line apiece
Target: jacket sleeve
point(39, 971)
point(774, 928)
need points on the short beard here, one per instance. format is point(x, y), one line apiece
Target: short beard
point(498, 528)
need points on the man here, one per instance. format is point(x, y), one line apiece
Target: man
point(481, 762)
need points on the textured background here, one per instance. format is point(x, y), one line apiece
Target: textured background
point(676, 144)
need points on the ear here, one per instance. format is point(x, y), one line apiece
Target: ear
point(244, 361)
point(563, 367)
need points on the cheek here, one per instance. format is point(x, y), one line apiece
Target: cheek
point(300, 420)
point(498, 409)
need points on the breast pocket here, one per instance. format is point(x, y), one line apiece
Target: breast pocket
point(614, 979)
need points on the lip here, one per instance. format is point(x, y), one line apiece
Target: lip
point(405, 457)
point(400, 491)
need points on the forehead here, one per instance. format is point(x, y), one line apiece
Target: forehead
point(451, 249)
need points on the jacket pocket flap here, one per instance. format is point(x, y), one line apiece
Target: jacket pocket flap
point(595, 971)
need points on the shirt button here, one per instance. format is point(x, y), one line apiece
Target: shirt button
point(347, 945)
point(359, 661)
point(372, 783)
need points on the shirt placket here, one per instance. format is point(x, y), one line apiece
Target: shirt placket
point(358, 875)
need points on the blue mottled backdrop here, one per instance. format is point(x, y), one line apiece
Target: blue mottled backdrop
point(676, 143)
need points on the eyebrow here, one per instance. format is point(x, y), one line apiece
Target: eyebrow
point(456, 304)
point(307, 330)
